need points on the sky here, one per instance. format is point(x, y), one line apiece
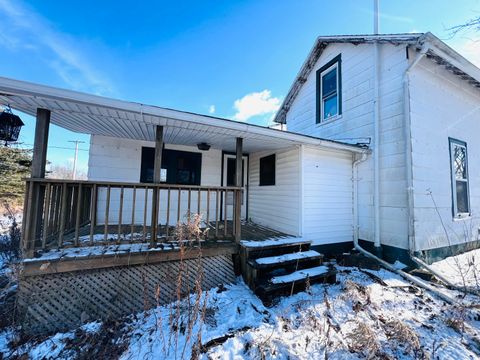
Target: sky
point(232, 59)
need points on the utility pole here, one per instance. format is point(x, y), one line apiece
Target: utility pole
point(74, 174)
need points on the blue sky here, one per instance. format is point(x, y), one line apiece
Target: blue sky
point(233, 59)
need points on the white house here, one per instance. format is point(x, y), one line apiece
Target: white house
point(380, 146)
point(418, 101)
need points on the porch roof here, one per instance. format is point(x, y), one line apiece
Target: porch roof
point(96, 115)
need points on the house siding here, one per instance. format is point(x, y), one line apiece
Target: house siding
point(276, 206)
point(442, 106)
point(327, 196)
point(357, 121)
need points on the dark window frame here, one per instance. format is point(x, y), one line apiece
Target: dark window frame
point(455, 213)
point(266, 179)
point(170, 161)
point(337, 60)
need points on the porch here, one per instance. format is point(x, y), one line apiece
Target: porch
point(83, 223)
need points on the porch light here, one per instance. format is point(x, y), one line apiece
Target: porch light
point(10, 125)
point(203, 146)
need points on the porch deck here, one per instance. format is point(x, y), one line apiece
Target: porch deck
point(136, 234)
point(134, 250)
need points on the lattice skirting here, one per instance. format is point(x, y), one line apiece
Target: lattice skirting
point(59, 302)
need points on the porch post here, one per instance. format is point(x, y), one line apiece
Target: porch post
point(39, 158)
point(238, 194)
point(157, 166)
point(36, 192)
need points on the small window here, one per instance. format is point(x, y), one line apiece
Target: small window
point(459, 173)
point(329, 90)
point(178, 167)
point(267, 170)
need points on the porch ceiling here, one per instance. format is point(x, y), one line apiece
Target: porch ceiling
point(91, 114)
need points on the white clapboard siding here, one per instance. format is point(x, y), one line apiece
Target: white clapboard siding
point(442, 106)
point(119, 160)
point(276, 206)
point(327, 196)
point(357, 122)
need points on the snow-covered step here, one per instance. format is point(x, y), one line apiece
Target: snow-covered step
point(286, 259)
point(274, 243)
point(300, 275)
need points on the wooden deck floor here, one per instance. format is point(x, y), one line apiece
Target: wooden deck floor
point(133, 250)
point(138, 234)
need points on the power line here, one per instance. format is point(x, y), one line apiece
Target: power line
point(53, 147)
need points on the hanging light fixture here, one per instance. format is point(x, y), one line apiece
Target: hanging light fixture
point(203, 146)
point(10, 125)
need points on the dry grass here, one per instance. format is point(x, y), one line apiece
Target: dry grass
point(357, 293)
point(403, 334)
point(363, 340)
point(186, 318)
point(456, 318)
point(191, 229)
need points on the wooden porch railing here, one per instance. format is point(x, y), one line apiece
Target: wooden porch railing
point(61, 213)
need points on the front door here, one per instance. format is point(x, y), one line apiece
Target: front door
point(229, 170)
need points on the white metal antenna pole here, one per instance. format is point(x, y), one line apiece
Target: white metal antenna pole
point(375, 14)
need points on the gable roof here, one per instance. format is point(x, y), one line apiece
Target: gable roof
point(437, 50)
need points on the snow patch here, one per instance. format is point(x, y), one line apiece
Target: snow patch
point(273, 242)
point(300, 275)
point(461, 270)
point(287, 257)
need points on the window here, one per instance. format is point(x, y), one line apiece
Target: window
point(178, 167)
point(329, 90)
point(267, 170)
point(459, 172)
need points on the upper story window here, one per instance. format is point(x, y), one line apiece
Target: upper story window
point(459, 173)
point(329, 90)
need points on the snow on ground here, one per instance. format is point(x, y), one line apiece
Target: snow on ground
point(365, 314)
point(461, 270)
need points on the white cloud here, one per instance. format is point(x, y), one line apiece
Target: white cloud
point(211, 109)
point(22, 28)
point(256, 104)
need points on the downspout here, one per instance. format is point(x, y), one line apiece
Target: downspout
point(376, 135)
point(408, 150)
point(355, 194)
